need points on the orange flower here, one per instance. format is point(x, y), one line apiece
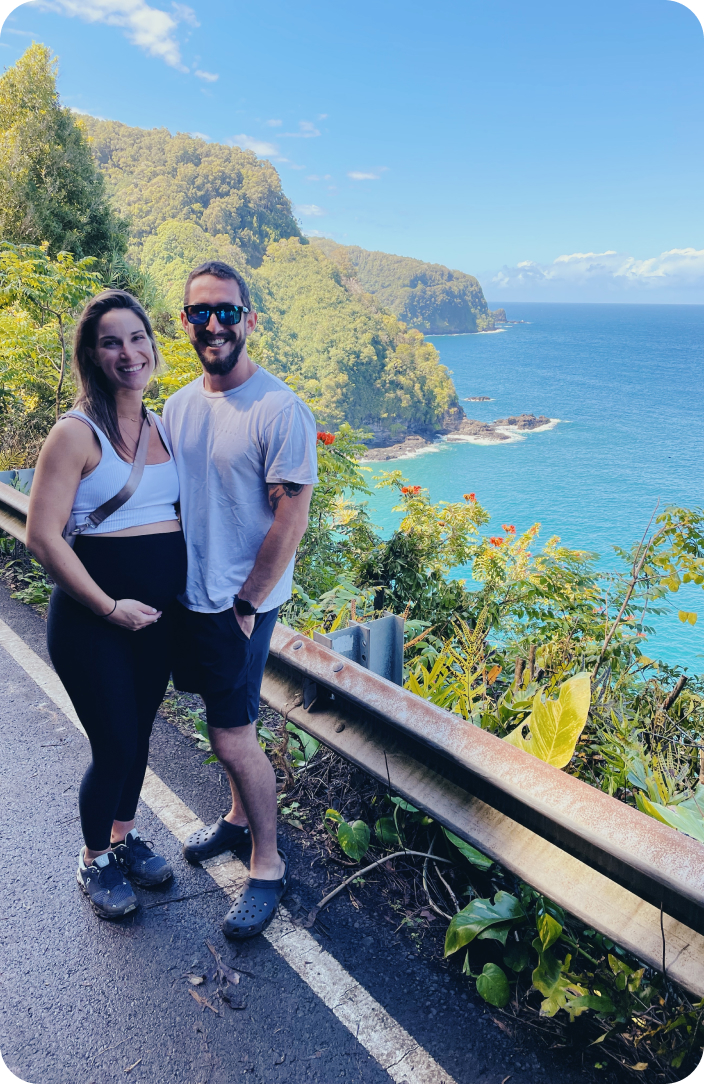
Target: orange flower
point(470, 497)
point(326, 438)
point(496, 541)
point(405, 489)
point(509, 528)
point(416, 490)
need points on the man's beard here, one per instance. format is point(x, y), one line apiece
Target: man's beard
point(224, 365)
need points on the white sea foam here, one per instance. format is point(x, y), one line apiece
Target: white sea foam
point(514, 435)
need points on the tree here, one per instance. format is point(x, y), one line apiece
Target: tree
point(153, 177)
point(170, 254)
point(50, 187)
point(43, 295)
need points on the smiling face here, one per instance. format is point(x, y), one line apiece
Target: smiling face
point(123, 350)
point(218, 346)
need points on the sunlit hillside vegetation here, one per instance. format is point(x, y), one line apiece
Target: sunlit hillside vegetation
point(428, 296)
point(153, 177)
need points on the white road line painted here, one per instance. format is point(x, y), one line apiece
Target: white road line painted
point(389, 1044)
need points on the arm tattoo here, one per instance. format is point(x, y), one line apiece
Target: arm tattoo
point(278, 489)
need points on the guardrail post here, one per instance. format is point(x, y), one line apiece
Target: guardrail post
point(376, 644)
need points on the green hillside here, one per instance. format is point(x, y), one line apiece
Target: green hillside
point(354, 363)
point(428, 296)
point(187, 201)
point(153, 177)
point(170, 202)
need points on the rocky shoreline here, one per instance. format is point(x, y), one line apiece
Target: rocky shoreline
point(464, 429)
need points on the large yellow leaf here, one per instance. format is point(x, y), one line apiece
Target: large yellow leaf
point(554, 726)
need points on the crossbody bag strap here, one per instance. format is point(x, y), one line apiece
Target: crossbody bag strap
point(100, 514)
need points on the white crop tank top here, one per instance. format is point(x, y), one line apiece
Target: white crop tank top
point(152, 502)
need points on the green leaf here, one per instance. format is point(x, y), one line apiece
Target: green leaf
point(498, 932)
point(386, 833)
point(554, 726)
point(477, 916)
point(575, 1006)
point(517, 956)
point(308, 742)
point(403, 804)
point(493, 986)
point(689, 821)
point(354, 839)
point(547, 974)
point(549, 919)
point(470, 853)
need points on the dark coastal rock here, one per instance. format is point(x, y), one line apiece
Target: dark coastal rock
point(471, 427)
point(411, 443)
point(524, 421)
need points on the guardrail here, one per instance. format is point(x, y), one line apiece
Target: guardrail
point(633, 878)
point(14, 506)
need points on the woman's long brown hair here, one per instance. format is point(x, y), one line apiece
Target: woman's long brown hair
point(95, 396)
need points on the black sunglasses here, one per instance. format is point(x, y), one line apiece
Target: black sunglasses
point(225, 314)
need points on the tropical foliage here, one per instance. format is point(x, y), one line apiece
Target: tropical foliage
point(427, 296)
point(154, 177)
point(50, 188)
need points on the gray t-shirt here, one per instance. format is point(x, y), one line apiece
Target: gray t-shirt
point(227, 446)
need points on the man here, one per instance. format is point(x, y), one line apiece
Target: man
point(245, 448)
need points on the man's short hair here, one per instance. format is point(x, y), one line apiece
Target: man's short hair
point(219, 270)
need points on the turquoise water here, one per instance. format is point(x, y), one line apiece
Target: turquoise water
point(626, 383)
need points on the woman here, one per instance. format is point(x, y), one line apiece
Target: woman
point(109, 618)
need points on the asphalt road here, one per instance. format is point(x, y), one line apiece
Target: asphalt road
point(91, 1002)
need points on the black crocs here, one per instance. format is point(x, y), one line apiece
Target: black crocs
point(255, 906)
point(216, 839)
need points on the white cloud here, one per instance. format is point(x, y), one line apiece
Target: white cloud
point(200, 135)
point(316, 233)
point(274, 123)
point(250, 143)
point(306, 130)
point(147, 27)
point(606, 275)
point(209, 77)
point(184, 14)
point(309, 210)
point(356, 176)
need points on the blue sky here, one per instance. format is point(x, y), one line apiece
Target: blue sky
point(553, 149)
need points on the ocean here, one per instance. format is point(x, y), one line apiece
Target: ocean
point(625, 382)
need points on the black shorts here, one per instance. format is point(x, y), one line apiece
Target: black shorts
point(214, 658)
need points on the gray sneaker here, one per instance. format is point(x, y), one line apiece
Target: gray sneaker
point(138, 861)
point(111, 896)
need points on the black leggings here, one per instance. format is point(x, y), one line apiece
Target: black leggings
point(116, 679)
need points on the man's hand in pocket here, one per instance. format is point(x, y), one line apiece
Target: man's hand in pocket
point(245, 623)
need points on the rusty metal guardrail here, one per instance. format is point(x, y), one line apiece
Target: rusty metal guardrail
point(14, 506)
point(635, 879)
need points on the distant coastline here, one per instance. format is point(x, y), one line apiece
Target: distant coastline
point(509, 430)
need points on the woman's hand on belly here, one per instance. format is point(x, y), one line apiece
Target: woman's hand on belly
point(133, 615)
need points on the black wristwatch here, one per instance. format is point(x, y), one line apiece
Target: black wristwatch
point(244, 608)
